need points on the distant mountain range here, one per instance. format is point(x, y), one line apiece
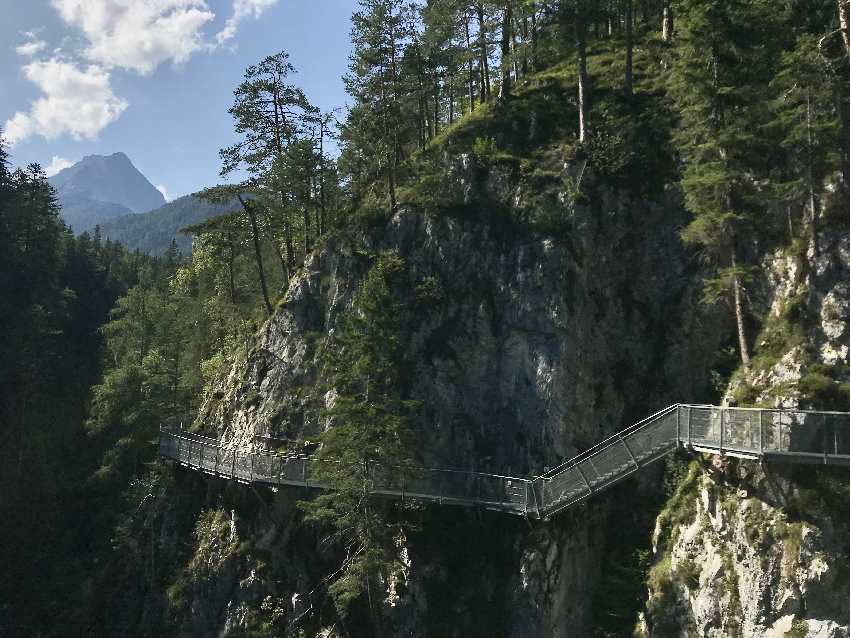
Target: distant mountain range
point(152, 232)
point(107, 190)
point(101, 187)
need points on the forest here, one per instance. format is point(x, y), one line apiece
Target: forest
point(737, 110)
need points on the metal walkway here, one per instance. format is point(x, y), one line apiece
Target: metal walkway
point(786, 436)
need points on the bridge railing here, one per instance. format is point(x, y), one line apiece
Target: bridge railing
point(607, 462)
point(756, 432)
point(442, 485)
point(790, 435)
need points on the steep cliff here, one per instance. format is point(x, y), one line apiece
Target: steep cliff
point(527, 348)
point(743, 550)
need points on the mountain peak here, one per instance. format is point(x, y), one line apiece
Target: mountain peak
point(100, 187)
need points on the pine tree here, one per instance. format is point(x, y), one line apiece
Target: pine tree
point(371, 431)
point(717, 82)
point(808, 126)
point(376, 124)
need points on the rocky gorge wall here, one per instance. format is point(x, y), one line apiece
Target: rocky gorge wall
point(526, 349)
point(745, 550)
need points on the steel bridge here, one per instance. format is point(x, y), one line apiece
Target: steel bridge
point(770, 435)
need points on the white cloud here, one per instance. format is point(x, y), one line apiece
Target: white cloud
point(162, 189)
point(56, 165)
point(138, 34)
point(242, 9)
point(78, 101)
point(29, 49)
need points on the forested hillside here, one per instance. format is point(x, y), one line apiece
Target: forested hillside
point(547, 219)
point(153, 232)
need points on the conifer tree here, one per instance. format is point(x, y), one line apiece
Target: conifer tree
point(376, 123)
point(716, 81)
point(370, 432)
point(807, 124)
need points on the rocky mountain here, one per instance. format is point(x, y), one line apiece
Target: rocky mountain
point(762, 550)
point(101, 187)
point(152, 232)
point(525, 351)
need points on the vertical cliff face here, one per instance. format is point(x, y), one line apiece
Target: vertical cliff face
point(743, 550)
point(525, 349)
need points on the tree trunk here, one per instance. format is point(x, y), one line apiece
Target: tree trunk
point(581, 54)
point(469, 64)
point(436, 105)
point(525, 44)
point(667, 22)
point(255, 236)
point(482, 52)
point(231, 260)
point(739, 316)
point(813, 207)
point(844, 23)
point(629, 46)
point(322, 220)
point(507, 19)
point(533, 37)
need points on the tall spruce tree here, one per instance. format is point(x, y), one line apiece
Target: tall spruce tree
point(717, 82)
point(370, 432)
point(376, 123)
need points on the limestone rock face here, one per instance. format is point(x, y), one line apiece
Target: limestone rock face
point(738, 564)
point(525, 350)
point(764, 552)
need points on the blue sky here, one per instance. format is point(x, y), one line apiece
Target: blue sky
point(153, 78)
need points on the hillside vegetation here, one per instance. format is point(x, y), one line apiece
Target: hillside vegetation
point(546, 218)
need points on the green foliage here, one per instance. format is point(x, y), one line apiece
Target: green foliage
point(799, 629)
point(371, 431)
point(153, 232)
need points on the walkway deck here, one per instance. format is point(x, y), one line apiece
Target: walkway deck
point(771, 435)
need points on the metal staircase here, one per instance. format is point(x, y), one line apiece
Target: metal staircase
point(788, 436)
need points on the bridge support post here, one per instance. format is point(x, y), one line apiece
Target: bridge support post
point(722, 428)
point(629, 450)
point(526, 499)
point(584, 478)
point(690, 445)
point(678, 426)
point(825, 439)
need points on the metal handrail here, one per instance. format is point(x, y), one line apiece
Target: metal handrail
point(605, 464)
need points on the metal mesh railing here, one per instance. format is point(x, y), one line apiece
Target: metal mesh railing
point(787, 435)
point(462, 487)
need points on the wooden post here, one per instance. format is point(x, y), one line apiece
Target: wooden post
point(216, 459)
point(251, 479)
point(233, 465)
point(761, 433)
point(690, 409)
point(722, 428)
